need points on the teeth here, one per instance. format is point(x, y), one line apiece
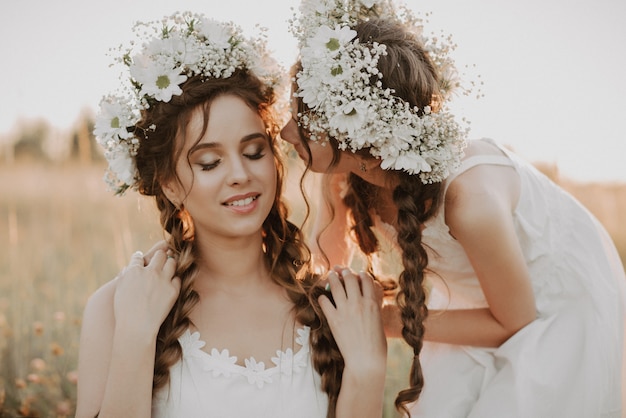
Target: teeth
point(242, 202)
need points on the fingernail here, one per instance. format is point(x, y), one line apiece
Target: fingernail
point(327, 287)
point(138, 254)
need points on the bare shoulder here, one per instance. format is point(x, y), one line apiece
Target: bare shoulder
point(94, 355)
point(483, 192)
point(102, 298)
point(99, 308)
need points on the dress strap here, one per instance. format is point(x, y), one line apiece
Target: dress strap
point(476, 160)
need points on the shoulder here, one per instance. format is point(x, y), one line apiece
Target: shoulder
point(482, 194)
point(103, 297)
point(96, 340)
point(99, 308)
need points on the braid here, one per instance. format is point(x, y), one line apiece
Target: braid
point(168, 350)
point(289, 269)
point(327, 358)
point(288, 258)
point(360, 197)
point(416, 203)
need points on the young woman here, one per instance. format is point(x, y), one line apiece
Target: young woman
point(511, 294)
point(224, 320)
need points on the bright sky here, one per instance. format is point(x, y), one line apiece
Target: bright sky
point(553, 69)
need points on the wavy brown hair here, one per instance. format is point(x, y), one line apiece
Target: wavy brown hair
point(409, 72)
point(284, 248)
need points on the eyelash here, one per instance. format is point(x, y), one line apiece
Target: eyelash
point(256, 156)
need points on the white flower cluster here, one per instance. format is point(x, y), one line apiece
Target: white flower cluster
point(165, 54)
point(341, 84)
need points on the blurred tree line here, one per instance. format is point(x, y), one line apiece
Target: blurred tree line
point(36, 140)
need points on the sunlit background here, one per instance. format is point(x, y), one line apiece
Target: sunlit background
point(552, 70)
point(553, 90)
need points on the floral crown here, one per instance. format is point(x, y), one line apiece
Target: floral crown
point(170, 51)
point(336, 84)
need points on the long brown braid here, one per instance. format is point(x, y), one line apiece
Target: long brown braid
point(408, 70)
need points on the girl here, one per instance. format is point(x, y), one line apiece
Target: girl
point(511, 294)
point(224, 321)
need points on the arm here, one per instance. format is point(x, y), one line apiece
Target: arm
point(94, 355)
point(479, 213)
point(479, 208)
point(357, 328)
point(116, 357)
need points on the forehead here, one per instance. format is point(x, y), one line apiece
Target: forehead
point(227, 118)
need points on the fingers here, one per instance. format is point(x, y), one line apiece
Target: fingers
point(370, 288)
point(336, 288)
point(352, 283)
point(326, 305)
point(136, 259)
point(346, 286)
point(170, 264)
point(176, 282)
point(161, 245)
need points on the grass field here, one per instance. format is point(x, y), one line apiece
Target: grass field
point(62, 235)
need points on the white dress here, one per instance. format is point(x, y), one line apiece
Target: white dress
point(566, 363)
point(213, 385)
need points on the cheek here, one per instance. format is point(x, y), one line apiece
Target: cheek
point(290, 133)
point(268, 171)
point(322, 155)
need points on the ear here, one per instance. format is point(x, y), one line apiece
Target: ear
point(366, 164)
point(372, 163)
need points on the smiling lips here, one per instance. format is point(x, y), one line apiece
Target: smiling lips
point(242, 202)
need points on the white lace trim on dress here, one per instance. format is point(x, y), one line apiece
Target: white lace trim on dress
point(221, 363)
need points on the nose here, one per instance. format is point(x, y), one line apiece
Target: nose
point(290, 132)
point(239, 172)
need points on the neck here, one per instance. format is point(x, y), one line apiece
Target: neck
point(231, 263)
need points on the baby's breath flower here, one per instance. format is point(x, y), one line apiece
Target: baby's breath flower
point(341, 84)
point(165, 54)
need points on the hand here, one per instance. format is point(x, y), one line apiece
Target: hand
point(355, 321)
point(144, 295)
point(159, 245)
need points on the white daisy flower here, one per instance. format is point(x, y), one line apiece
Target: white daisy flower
point(220, 362)
point(157, 80)
point(327, 40)
point(350, 118)
point(122, 164)
point(114, 119)
point(217, 34)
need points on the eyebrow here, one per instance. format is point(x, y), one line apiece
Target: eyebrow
point(213, 145)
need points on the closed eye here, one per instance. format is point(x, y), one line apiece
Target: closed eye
point(256, 155)
point(210, 166)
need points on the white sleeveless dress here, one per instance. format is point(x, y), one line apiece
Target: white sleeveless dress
point(567, 363)
point(213, 385)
